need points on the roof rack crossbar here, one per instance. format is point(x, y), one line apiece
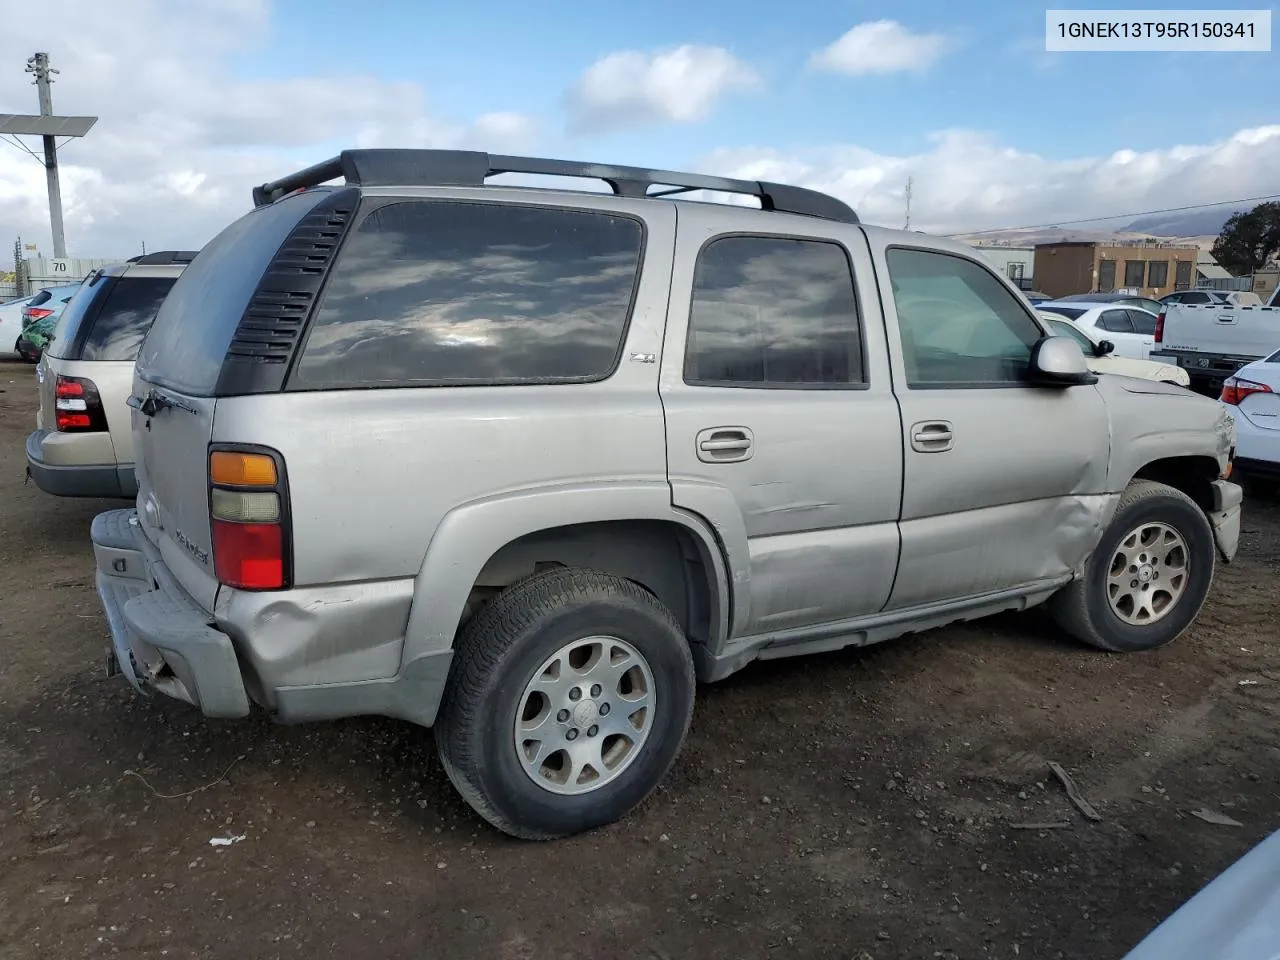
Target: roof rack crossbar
point(389, 167)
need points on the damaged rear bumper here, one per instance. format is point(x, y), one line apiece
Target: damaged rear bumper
point(1225, 517)
point(160, 638)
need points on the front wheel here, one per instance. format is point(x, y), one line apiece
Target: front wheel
point(569, 698)
point(1148, 576)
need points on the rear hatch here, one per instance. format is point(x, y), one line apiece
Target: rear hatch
point(104, 326)
point(176, 384)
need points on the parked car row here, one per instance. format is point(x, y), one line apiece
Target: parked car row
point(28, 322)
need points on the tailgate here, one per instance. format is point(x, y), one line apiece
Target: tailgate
point(1229, 331)
point(171, 433)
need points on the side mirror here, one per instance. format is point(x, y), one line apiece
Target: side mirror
point(1104, 348)
point(1060, 361)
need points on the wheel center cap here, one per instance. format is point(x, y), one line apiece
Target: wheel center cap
point(585, 713)
point(1145, 573)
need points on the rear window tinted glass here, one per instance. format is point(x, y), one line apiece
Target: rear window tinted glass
point(127, 313)
point(68, 326)
point(1071, 313)
point(39, 298)
point(196, 322)
point(448, 292)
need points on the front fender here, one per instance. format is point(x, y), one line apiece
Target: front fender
point(469, 535)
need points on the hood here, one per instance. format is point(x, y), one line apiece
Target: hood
point(1235, 917)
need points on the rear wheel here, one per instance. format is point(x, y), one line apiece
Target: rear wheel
point(1148, 577)
point(570, 696)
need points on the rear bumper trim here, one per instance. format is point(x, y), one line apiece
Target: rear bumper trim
point(91, 480)
point(160, 637)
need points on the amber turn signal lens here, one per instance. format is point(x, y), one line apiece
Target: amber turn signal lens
point(242, 469)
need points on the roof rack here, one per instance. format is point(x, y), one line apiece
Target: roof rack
point(164, 257)
point(466, 168)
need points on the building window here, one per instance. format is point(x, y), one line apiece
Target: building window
point(1015, 271)
point(1182, 275)
point(1135, 272)
point(1158, 273)
point(1106, 276)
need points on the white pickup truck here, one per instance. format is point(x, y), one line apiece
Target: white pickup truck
point(1212, 341)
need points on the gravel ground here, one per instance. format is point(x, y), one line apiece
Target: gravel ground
point(864, 804)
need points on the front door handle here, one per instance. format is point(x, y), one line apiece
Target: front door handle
point(724, 444)
point(932, 436)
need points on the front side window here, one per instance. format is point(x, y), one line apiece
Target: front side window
point(451, 292)
point(958, 323)
point(773, 312)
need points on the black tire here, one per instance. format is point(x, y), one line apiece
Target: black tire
point(497, 655)
point(1082, 608)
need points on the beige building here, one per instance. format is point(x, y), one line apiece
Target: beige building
point(1143, 269)
point(1266, 280)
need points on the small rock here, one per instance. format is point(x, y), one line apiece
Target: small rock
point(765, 800)
point(882, 935)
point(441, 865)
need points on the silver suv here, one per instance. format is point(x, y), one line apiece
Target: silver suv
point(523, 463)
point(83, 442)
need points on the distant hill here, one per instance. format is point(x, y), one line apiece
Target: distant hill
point(1190, 224)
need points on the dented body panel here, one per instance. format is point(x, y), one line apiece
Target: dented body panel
point(770, 522)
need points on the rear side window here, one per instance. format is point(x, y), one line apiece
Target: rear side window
point(1116, 321)
point(1142, 321)
point(449, 292)
point(188, 342)
point(126, 315)
point(773, 312)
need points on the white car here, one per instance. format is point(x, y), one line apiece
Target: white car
point(1101, 360)
point(1252, 398)
point(1131, 329)
point(11, 326)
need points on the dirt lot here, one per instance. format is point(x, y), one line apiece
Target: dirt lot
point(857, 805)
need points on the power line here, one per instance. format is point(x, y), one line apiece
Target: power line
point(1118, 216)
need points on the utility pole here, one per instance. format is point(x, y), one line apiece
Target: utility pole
point(39, 65)
point(907, 225)
point(48, 127)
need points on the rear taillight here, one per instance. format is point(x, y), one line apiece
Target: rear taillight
point(248, 515)
point(1235, 389)
point(77, 406)
point(32, 314)
point(1160, 328)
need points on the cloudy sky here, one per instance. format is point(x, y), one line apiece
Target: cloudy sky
point(201, 99)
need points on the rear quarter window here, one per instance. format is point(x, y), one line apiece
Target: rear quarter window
point(188, 342)
point(441, 292)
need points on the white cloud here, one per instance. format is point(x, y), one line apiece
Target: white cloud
point(181, 139)
point(881, 46)
point(970, 181)
point(677, 85)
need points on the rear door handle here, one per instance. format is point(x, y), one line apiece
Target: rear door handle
point(724, 444)
point(932, 436)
